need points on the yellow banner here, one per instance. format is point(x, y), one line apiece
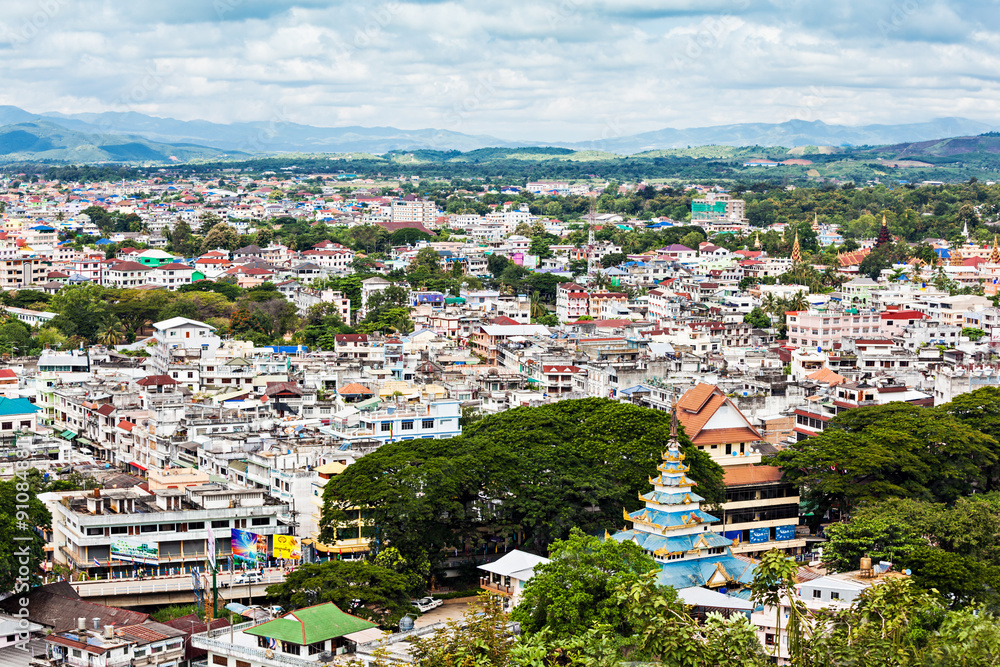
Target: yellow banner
point(287, 546)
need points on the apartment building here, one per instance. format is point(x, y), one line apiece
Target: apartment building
point(120, 530)
point(413, 210)
point(124, 275)
point(826, 328)
point(18, 273)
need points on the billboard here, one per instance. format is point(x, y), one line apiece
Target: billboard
point(135, 551)
point(758, 535)
point(244, 546)
point(784, 533)
point(287, 546)
point(210, 546)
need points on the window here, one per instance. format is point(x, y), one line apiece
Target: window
point(119, 530)
point(834, 595)
point(318, 647)
point(221, 523)
point(220, 659)
point(406, 426)
point(242, 663)
point(196, 525)
point(290, 648)
point(817, 595)
point(148, 529)
point(167, 528)
point(769, 639)
point(386, 427)
point(427, 423)
point(7, 426)
point(261, 521)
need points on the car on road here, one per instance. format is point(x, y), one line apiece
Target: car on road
point(244, 578)
point(424, 605)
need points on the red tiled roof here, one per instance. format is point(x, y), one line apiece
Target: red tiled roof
point(750, 474)
point(156, 381)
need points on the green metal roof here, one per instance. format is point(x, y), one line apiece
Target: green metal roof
point(17, 406)
point(67, 435)
point(311, 625)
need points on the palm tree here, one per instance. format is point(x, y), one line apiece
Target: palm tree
point(798, 302)
point(769, 303)
point(537, 309)
point(112, 332)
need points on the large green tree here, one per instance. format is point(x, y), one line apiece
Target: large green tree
point(895, 449)
point(577, 588)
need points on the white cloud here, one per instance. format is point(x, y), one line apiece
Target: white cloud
point(559, 70)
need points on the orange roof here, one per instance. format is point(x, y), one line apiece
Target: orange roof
point(355, 388)
point(750, 474)
point(826, 375)
point(697, 407)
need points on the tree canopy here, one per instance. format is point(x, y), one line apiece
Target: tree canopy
point(895, 449)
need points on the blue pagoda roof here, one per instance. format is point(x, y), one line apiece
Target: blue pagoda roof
point(674, 519)
point(686, 573)
point(673, 544)
point(672, 498)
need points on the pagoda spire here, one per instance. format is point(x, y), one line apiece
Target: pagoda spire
point(995, 255)
point(756, 241)
point(883, 234)
point(796, 250)
point(815, 221)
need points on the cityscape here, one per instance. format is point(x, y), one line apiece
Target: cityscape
point(530, 382)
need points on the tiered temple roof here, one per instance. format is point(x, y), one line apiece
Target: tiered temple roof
point(674, 529)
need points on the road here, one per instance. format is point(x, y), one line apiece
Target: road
point(170, 584)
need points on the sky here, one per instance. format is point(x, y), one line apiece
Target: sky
point(560, 70)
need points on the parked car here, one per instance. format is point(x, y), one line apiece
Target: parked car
point(426, 604)
point(244, 578)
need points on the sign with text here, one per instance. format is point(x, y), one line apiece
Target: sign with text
point(758, 535)
point(135, 551)
point(287, 546)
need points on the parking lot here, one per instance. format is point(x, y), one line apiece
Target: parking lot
point(451, 609)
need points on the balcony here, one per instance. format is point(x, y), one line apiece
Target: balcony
point(495, 587)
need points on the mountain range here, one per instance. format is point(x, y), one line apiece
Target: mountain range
point(135, 137)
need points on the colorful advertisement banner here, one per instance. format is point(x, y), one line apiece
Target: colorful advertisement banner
point(135, 551)
point(758, 535)
point(210, 546)
point(244, 546)
point(287, 546)
point(784, 533)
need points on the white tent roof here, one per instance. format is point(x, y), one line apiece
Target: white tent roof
point(703, 597)
point(517, 564)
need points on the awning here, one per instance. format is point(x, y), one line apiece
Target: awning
point(84, 441)
point(67, 435)
point(182, 464)
point(138, 465)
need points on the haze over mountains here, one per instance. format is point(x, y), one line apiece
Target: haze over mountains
point(130, 136)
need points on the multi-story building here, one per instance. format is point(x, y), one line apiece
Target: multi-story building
point(120, 530)
point(827, 328)
point(761, 511)
point(438, 420)
point(18, 273)
point(124, 275)
point(181, 338)
point(413, 210)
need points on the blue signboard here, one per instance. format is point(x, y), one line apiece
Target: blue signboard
point(784, 533)
point(733, 535)
point(758, 535)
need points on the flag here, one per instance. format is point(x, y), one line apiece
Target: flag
point(97, 563)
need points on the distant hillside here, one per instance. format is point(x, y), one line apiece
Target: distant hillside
point(988, 143)
point(44, 141)
point(280, 136)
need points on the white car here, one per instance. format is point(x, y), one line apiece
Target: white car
point(426, 604)
point(244, 578)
